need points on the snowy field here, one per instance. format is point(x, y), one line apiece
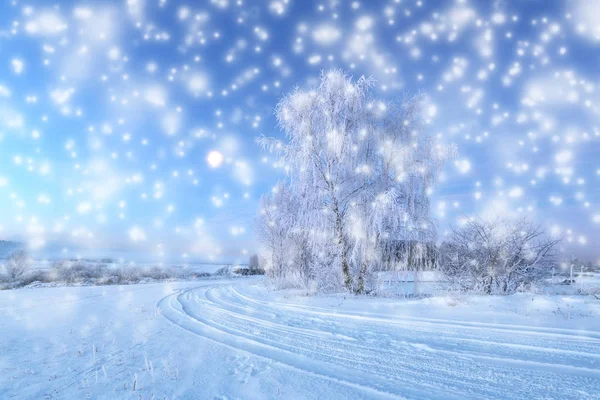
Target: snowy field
point(234, 339)
point(190, 266)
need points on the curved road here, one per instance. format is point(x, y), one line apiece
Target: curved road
point(384, 356)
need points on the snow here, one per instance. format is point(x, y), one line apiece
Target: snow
point(129, 131)
point(238, 339)
point(326, 35)
point(509, 83)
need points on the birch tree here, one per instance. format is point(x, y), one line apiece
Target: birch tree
point(360, 170)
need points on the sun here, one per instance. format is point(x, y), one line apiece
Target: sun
point(214, 159)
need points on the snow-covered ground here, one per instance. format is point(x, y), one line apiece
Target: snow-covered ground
point(45, 264)
point(236, 339)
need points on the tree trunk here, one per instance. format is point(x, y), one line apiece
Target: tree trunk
point(488, 286)
point(361, 279)
point(343, 249)
point(345, 264)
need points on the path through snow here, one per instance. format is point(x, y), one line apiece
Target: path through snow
point(386, 355)
point(241, 341)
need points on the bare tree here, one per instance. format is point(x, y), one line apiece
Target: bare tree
point(17, 264)
point(497, 257)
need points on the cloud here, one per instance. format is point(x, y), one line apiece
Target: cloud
point(463, 166)
point(137, 234)
point(550, 90)
point(17, 65)
point(46, 23)
point(515, 192)
point(61, 96)
point(98, 30)
point(197, 83)
point(171, 122)
point(136, 9)
point(326, 34)
point(364, 23)
point(82, 13)
point(156, 95)
point(84, 207)
point(11, 118)
point(243, 172)
point(586, 18)
point(4, 91)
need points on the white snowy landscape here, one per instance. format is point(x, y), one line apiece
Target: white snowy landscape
point(298, 199)
point(236, 339)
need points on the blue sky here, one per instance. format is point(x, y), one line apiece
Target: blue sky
point(109, 111)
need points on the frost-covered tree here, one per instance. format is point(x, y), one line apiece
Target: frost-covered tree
point(359, 171)
point(281, 247)
point(17, 264)
point(272, 227)
point(497, 257)
point(253, 263)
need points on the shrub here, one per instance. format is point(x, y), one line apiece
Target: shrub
point(86, 272)
point(497, 257)
point(77, 271)
point(16, 265)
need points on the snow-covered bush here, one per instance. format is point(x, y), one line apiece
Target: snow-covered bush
point(358, 174)
point(497, 257)
point(77, 272)
point(234, 271)
point(16, 265)
point(71, 272)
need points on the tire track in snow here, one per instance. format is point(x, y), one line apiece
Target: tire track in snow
point(550, 344)
point(559, 360)
point(171, 307)
point(411, 358)
point(509, 328)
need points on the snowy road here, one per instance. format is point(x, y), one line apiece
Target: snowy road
point(385, 356)
point(238, 340)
